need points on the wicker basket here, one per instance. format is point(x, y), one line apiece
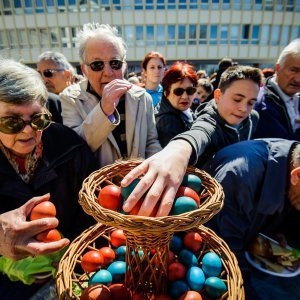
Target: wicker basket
point(70, 272)
point(147, 233)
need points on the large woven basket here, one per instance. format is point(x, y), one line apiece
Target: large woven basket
point(70, 272)
point(148, 233)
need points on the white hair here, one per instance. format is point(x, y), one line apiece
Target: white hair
point(293, 48)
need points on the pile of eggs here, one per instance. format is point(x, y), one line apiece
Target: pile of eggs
point(193, 270)
point(187, 198)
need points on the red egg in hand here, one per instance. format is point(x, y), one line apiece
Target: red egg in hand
point(48, 236)
point(192, 241)
point(188, 192)
point(44, 209)
point(110, 197)
point(92, 261)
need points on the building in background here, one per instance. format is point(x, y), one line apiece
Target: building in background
point(200, 31)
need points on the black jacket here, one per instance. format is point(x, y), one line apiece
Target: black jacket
point(170, 121)
point(65, 163)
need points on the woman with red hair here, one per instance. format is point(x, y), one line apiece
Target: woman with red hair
point(173, 114)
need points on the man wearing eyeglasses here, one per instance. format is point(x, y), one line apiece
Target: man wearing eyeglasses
point(115, 117)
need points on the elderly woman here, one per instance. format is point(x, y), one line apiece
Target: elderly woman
point(40, 161)
point(173, 114)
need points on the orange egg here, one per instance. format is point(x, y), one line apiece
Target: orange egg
point(44, 209)
point(92, 261)
point(110, 197)
point(190, 295)
point(193, 241)
point(117, 238)
point(48, 236)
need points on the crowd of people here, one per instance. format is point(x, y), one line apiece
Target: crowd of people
point(56, 127)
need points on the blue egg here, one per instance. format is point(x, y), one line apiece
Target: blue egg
point(183, 204)
point(126, 191)
point(176, 244)
point(211, 264)
point(192, 181)
point(215, 287)
point(121, 253)
point(102, 276)
point(195, 278)
point(188, 258)
point(117, 270)
point(177, 288)
point(140, 252)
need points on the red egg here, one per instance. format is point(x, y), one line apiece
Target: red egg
point(92, 261)
point(44, 209)
point(117, 238)
point(188, 192)
point(48, 236)
point(96, 291)
point(138, 296)
point(108, 254)
point(193, 241)
point(120, 291)
point(190, 295)
point(110, 197)
point(176, 271)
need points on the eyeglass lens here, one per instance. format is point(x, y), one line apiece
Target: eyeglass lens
point(98, 65)
point(179, 91)
point(50, 72)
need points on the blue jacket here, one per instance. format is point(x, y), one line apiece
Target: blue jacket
point(274, 121)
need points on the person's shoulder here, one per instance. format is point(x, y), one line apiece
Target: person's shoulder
point(75, 89)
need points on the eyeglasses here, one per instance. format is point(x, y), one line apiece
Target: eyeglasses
point(98, 65)
point(12, 125)
point(190, 91)
point(50, 72)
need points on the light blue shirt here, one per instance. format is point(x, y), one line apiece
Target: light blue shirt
point(156, 95)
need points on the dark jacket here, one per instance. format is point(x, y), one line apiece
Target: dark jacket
point(274, 120)
point(254, 175)
point(210, 132)
point(170, 121)
point(65, 163)
point(54, 106)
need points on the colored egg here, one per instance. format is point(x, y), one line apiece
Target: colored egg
point(110, 197)
point(211, 264)
point(102, 276)
point(195, 278)
point(188, 258)
point(92, 261)
point(215, 287)
point(182, 205)
point(117, 270)
point(108, 255)
point(177, 288)
point(186, 191)
point(120, 291)
point(193, 241)
point(192, 181)
point(176, 244)
point(121, 253)
point(96, 292)
point(191, 295)
point(126, 191)
point(176, 271)
point(117, 238)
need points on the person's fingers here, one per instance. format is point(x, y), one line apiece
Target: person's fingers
point(28, 206)
point(34, 227)
point(167, 200)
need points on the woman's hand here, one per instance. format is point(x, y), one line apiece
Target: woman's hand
point(17, 235)
point(163, 174)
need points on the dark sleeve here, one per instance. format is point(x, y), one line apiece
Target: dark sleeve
point(54, 106)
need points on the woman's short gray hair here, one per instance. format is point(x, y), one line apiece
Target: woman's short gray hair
point(20, 84)
point(101, 31)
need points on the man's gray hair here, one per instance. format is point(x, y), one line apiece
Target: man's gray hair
point(293, 48)
point(99, 31)
point(20, 84)
point(58, 59)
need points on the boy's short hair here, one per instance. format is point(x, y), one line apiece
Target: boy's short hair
point(206, 85)
point(239, 72)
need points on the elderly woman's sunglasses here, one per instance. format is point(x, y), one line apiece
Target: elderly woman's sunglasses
point(98, 65)
point(190, 91)
point(13, 125)
point(50, 72)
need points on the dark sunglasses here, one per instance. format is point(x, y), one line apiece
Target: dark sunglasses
point(50, 72)
point(190, 91)
point(98, 65)
point(12, 125)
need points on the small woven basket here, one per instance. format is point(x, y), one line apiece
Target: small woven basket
point(70, 272)
point(148, 233)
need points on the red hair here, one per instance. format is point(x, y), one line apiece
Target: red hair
point(150, 55)
point(178, 72)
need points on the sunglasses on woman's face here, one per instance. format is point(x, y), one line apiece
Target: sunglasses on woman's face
point(98, 65)
point(190, 91)
point(13, 125)
point(50, 72)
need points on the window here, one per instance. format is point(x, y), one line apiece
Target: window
point(234, 34)
point(203, 34)
point(116, 4)
point(54, 37)
point(204, 4)
point(2, 40)
point(149, 35)
point(182, 4)
point(290, 5)
point(171, 34)
point(245, 34)
point(33, 38)
point(213, 34)
point(12, 39)
point(215, 4)
point(258, 5)
point(247, 4)
point(237, 4)
point(226, 4)
point(193, 4)
point(295, 32)
point(255, 34)
point(279, 5)
point(138, 4)
point(285, 35)
point(171, 4)
point(192, 34)
point(275, 35)
point(160, 35)
point(128, 35)
point(6, 7)
point(22, 38)
point(39, 6)
point(160, 4)
point(44, 39)
point(139, 36)
point(268, 4)
point(224, 34)
point(181, 35)
point(265, 35)
point(149, 4)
